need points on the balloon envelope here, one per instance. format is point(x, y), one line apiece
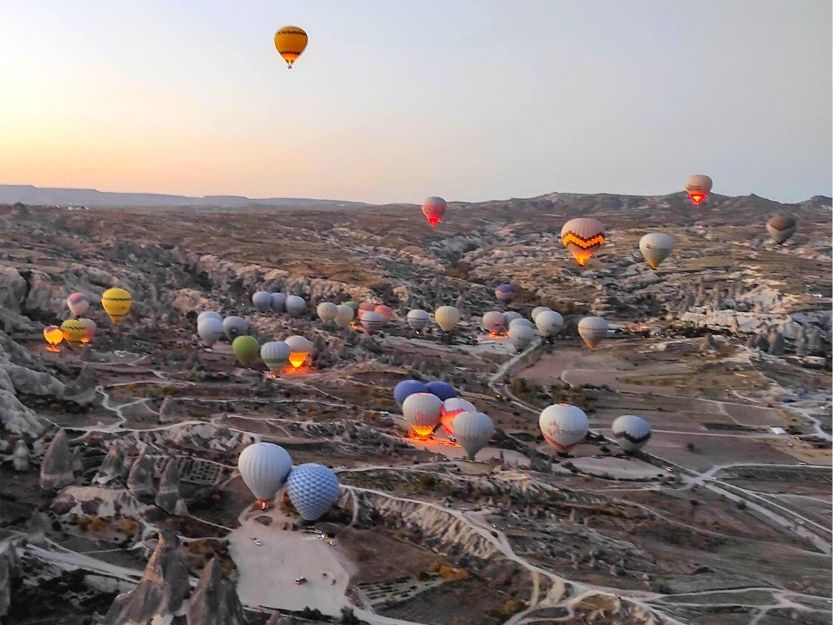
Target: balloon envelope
point(235, 326)
point(312, 489)
point(74, 331)
point(406, 388)
point(295, 305)
point(422, 412)
point(385, 311)
point(206, 314)
point(278, 302)
point(418, 319)
point(537, 310)
point(327, 311)
point(505, 293)
point(592, 330)
point(290, 42)
point(344, 315)
point(372, 322)
point(656, 247)
point(116, 303)
point(521, 336)
point(441, 389)
point(264, 467)
point(262, 301)
point(473, 430)
point(299, 349)
point(53, 336)
point(434, 208)
point(78, 303)
point(549, 322)
point(631, 432)
point(781, 228)
point(698, 188)
point(210, 330)
point(564, 426)
point(245, 349)
point(494, 322)
point(583, 236)
point(274, 355)
point(447, 317)
point(450, 409)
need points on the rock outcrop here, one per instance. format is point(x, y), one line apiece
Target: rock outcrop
point(56, 469)
point(161, 592)
point(167, 411)
point(167, 497)
point(140, 478)
point(113, 467)
point(214, 600)
point(17, 418)
point(20, 457)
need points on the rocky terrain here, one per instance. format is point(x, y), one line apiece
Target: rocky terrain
point(121, 502)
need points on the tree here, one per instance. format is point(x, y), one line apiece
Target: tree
point(690, 447)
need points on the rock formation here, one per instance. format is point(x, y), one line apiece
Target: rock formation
point(140, 478)
point(113, 467)
point(17, 418)
point(214, 600)
point(56, 469)
point(167, 497)
point(167, 411)
point(20, 457)
point(160, 593)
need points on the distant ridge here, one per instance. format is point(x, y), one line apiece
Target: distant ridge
point(29, 194)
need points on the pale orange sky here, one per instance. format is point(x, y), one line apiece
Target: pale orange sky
point(394, 100)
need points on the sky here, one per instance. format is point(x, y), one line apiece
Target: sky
point(395, 100)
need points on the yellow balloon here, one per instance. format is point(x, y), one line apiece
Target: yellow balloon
point(116, 303)
point(74, 331)
point(290, 42)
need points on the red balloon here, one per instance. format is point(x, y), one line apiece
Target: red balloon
point(434, 208)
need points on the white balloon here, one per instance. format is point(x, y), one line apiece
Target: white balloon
point(520, 321)
point(327, 311)
point(209, 314)
point(344, 315)
point(564, 426)
point(295, 305)
point(274, 355)
point(592, 330)
point(656, 247)
point(494, 322)
point(473, 430)
point(278, 302)
point(422, 412)
point(536, 311)
point(549, 322)
point(264, 467)
point(510, 315)
point(262, 301)
point(210, 330)
point(631, 432)
point(235, 326)
point(521, 336)
point(418, 319)
point(447, 317)
point(450, 409)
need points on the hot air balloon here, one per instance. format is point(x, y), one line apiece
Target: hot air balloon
point(327, 311)
point(510, 315)
point(245, 349)
point(371, 321)
point(295, 305)
point(367, 306)
point(206, 314)
point(549, 322)
point(385, 311)
point(494, 322)
point(116, 303)
point(631, 432)
point(235, 326)
point(418, 319)
point(505, 293)
point(781, 228)
point(447, 317)
point(299, 350)
point(290, 42)
point(521, 336)
point(344, 315)
point(698, 187)
point(434, 208)
point(563, 426)
point(536, 311)
point(441, 389)
point(656, 247)
point(450, 409)
point(89, 330)
point(278, 302)
point(78, 303)
point(422, 413)
point(473, 430)
point(53, 336)
point(592, 330)
point(210, 330)
point(264, 468)
point(583, 236)
point(312, 489)
point(405, 388)
point(74, 331)
point(352, 304)
point(274, 355)
point(521, 322)
point(262, 301)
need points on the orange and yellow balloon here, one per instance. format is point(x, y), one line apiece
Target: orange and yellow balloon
point(74, 331)
point(290, 42)
point(116, 303)
point(53, 336)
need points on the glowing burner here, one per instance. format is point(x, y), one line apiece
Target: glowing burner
point(296, 359)
point(421, 432)
point(582, 256)
point(263, 504)
point(433, 220)
point(497, 335)
point(697, 197)
point(291, 370)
